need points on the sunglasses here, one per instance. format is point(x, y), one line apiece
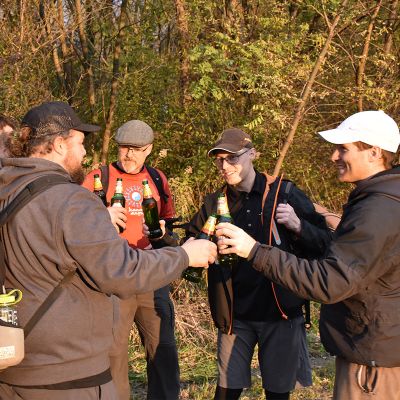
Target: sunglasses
point(231, 160)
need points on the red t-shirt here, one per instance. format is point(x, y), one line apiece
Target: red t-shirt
point(133, 192)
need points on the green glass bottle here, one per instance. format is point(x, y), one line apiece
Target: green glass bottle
point(207, 232)
point(150, 212)
point(223, 215)
point(118, 200)
point(98, 189)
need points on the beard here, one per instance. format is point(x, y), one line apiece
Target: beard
point(77, 175)
point(75, 169)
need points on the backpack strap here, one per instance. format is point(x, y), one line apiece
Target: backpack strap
point(154, 174)
point(28, 193)
point(156, 177)
point(24, 197)
point(105, 177)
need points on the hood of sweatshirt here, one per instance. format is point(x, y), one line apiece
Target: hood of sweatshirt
point(16, 173)
point(386, 183)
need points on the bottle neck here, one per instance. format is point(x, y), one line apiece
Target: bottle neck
point(209, 226)
point(147, 192)
point(97, 184)
point(118, 188)
point(222, 206)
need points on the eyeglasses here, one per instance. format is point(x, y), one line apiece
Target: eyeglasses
point(232, 159)
point(134, 149)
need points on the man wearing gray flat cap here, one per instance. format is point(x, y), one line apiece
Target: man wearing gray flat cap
point(152, 312)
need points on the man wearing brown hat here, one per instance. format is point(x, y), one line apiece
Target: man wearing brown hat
point(66, 231)
point(247, 308)
point(152, 312)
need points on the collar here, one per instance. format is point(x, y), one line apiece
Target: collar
point(258, 186)
point(117, 166)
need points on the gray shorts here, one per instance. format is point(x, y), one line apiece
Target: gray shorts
point(282, 355)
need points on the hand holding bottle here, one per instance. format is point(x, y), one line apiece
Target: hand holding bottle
point(146, 230)
point(232, 239)
point(201, 252)
point(118, 217)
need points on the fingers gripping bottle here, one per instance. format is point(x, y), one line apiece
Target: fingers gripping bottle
point(207, 232)
point(118, 200)
point(223, 215)
point(150, 212)
point(98, 189)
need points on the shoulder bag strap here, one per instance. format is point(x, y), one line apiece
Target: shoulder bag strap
point(24, 197)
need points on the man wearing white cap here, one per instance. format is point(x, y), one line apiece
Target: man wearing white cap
point(358, 280)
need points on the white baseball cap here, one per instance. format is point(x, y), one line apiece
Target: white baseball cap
point(371, 127)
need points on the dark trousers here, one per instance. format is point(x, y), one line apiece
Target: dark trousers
point(153, 314)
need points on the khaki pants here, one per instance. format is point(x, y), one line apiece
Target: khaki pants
point(361, 382)
point(153, 314)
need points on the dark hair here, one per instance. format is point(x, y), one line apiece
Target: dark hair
point(6, 121)
point(389, 159)
point(25, 143)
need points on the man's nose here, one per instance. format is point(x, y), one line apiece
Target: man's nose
point(335, 155)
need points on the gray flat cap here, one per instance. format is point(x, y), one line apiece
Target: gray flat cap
point(134, 133)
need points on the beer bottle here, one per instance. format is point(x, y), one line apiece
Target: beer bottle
point(150, 212)
point(223, 215)
point(118, 200)
point(207, 232)
point(98, 189)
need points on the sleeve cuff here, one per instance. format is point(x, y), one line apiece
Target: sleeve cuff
point(253, 251)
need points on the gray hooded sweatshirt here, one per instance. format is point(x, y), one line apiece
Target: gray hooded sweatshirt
point(62, 229)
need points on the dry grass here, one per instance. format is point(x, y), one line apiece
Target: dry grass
point(196, 338)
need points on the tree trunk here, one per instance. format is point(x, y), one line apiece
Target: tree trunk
point(47, 17)
point(114, 82)
point(65, 51)
point(87, 64)
point(307, 90)
point(183, 29)
point(364, 55)
point(391, 25)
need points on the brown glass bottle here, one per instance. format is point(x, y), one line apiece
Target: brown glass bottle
point(118, 200)
point(207, 232)
point(150, 212)
point(223, 215)
point(98, 189)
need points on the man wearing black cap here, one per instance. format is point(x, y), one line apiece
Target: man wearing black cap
point(152, 312)
point(262, 314)
point(66, 231)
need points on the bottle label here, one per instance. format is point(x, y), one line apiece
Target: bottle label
point(97, 184)
point(7, 352)
point(209, 226)
point(118, 187)
point(147, 192)
point(222, 206)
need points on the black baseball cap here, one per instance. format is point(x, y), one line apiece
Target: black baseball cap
point(55, 117)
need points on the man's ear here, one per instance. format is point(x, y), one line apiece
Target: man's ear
point(252, 154)
point(59, 145)
point(375, 153)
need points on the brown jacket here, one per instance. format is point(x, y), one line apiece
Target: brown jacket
point(65, 228)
